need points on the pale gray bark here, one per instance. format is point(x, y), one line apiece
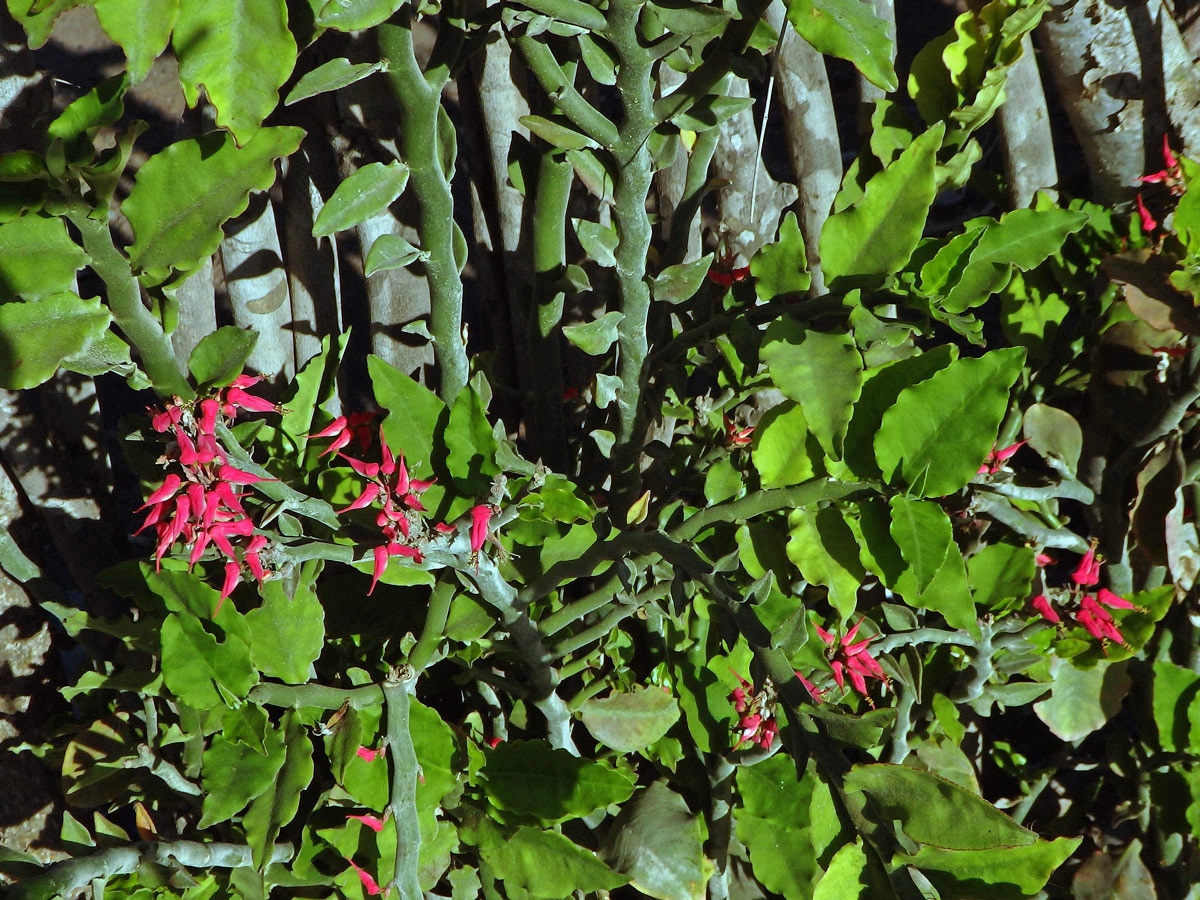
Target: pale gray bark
point(749, 207)
point(1024, 123)
point(802, 84)
point(258, 288)
point(197, 311)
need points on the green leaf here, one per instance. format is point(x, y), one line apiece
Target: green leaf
point(435, 746)
point(598, 241)
point(470, 444)
point(356, 15)
point(277, 806)
point(331, 76)
point(1054, 434)
point(220, 357)
point(530, 778)
point(773, 823)
point(932, 810)
point(595, 337)
point(141, 27)
point(850, 30)
point(710, 111)
point(288, 633)
point(659, 844)
point(1000, 573)
point(1019, 871)
point(195, 663)
point(825, 551)
point(781, 268)
point(923, 533)
point(557, 135)
point(366, 193)
point(881, 387)
point(782, 452)
point(822, 372)
point(102, 105)
point(184, 194)
point(1024, 238)
point(1175, 692)
point(676, 284)
point(630, 720)
point(1101, 877)
point(939, 431)
point(233, 774)
point(240, 52)
point(37, 336)
point(546, 864)
point(413, 411)
point(843, 878)
point(38, 258)
point(863, 245)
point(390, 251)
point(1082, 700)
point(947, 594)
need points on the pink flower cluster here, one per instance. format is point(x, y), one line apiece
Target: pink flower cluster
point(202, 506)
point(851, 659)
point(756, 710)
point(1170, 176)
point(1090, 609)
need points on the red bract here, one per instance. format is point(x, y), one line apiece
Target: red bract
point(723, 272)
point(997, 458)
point(737, 437)
point(369, 883)
point(852, 660)
point(480, 516)
point(1087, 572)
point(373, 822)
point(1042, 604)
point(756, 710)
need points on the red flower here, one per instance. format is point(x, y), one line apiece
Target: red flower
point(852, 660)
point(1042, 604)
point(737, 437)
point(480, 516)
point(369, 883)
point(373, 822)
point(997, 458)
point(1087, 572)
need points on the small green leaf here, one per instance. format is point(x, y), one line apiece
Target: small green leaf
point(356, 15)
point(366, 193)
point(824, 549)
point(630, 720)
point(843, 878)
point(185, 193)
point(102, 105)
point(470, 446)
point(38, 257)
point(1001, 573)
point(331, 76)
point(547, 864)
point(233, 774)
point(195, 663)
point(781, 268)
point(1017, 871)
point(141, 27)
point(530, 778)
point(932, 810)
point(1082, 700)
point(288, 633)
point(598, 241)
point(241, 54)
point(1174, 694)
point(676, 284)
point(1054, 434)
point(782, 453)
point(390, 251)
point(659, 845)
point(850, 30)
point(597, 336)
point(863, 245)
point(220, 357)
point(37, 17)
point(557, 135)
point(413, 411)
point(773, 823)
point(822, 372)
point(277, 806)
point(924, 535)
point(940, 430)
point(39, 335)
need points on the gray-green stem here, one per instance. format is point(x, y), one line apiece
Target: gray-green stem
point(397, 689)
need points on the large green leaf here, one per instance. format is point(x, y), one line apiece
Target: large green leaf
point(277, 805)
point(37, 16)
point(530, 778)
point(1024, 238)
point(933, 810)
point(195, 663)
point(783, 448)
point(1016, 871)
point(781, 268)
point(356, 15)
point(366, 193)
point(470, 444)
point(1175, 692)
point(773, 823)
point(1001, 573)
point(1082, 700)
point(240, 52)
point(219, 357)
point(940, 430)
point(843, 879)
point(141, 27)
point(824, 549)
point(822, 372)
point(924, 535)
point(630, 720)
point(184, 195)
point(288, 632)
point(546, 864)
point(848, 29)
point(659, 844)
point(37, 336)
point(38, 258)
point(875, 238)
point(947, 593)
point(232, 774)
